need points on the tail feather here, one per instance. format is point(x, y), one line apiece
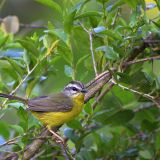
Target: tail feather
point(12, 97)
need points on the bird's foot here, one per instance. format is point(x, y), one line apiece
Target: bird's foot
point(58, 138)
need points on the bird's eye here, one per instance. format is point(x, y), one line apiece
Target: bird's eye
point(74, 89)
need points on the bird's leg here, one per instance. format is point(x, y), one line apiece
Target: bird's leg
point(57, 137)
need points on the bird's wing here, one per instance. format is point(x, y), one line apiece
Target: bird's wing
point(55, 103)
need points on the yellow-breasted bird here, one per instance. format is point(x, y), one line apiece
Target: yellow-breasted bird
point(56, 109)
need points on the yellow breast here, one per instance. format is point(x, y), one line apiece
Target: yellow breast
point(52, 119)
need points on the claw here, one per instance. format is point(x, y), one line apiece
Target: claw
point(58, 138)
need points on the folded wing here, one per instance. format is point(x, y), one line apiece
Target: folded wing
point(55, 103)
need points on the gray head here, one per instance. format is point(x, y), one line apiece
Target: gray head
point(74, 88)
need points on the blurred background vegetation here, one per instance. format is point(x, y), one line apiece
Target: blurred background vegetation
point(45, 44)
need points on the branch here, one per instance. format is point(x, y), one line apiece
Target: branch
point(91, 48)
point(126, 64)
point(48, 52)
point(102, 94)
point(133, 91)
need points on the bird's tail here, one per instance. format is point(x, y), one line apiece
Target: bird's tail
point(12, 97)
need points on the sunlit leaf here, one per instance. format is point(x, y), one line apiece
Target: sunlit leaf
point(51, 4)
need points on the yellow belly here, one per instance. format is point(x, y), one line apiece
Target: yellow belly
point(53, 119)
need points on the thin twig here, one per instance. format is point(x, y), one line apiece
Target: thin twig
point(141, 60)
point(11, 141)
point(134, 91)
point(65, 151)
point(90, 33)
point(115, 17)
point(49, 50)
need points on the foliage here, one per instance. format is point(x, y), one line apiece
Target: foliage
point(123, 124)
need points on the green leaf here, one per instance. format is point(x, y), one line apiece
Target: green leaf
point(116, 118)
point(132, 4)
point(4, 129)
point(113, 35)
point(29, 46)
point(60, 34)
point(17, 128)
point(33, 122)
point(30, 86)
point(23, 116)
point(75, 124)
point(51, 4)
point(157, 141)
point(81, 60)
point(145, 154)
point(88, 14)
point(109, 52)
point(15, 66)
point(68, 21)
point(121, 117)
point(3, 40)
point(88, 108)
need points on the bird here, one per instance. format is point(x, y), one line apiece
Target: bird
point(56, 109)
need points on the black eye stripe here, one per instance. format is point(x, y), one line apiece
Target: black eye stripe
point(72, 88)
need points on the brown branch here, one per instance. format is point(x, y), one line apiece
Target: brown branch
point(126, 64)
point(33, 148)
point(11, 141)
point(102, 94)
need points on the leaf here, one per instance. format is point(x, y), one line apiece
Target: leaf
point(75, 124)
point(3, 40)
point(68, 71)
point(88, 109)
point(68, 21)
point(113, 35)
point(29, 46)
point(109, 52)
point(157, 141)
point(51, 4)
point(132, 4)
point(23, 116)
point(116, 118)
point(30, 86)
point(17, 128)
point(60, 34)
point(120, 117)
point(15, 66)
point(88, 14)
point(4, 129)
point(33, 122)
point(145, 154)
point(80, 60)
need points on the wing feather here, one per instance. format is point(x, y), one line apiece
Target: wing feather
point(55, 103)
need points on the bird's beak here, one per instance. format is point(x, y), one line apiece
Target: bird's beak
point(84, 90)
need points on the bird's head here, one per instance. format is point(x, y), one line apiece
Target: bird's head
point(74, 89)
